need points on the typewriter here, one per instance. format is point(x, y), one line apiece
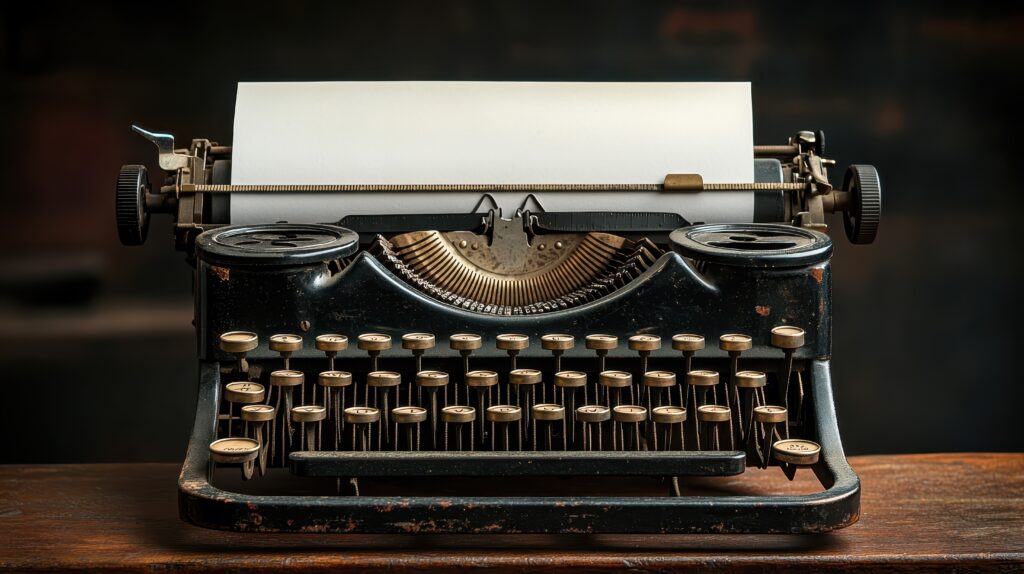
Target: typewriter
point(537, 371)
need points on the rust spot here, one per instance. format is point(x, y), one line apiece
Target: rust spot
point(222, 273)
point(444, 503)
point(763, 310)
point(255, 518)
point(818, 273)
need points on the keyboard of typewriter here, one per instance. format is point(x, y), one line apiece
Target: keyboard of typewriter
point(452, 408)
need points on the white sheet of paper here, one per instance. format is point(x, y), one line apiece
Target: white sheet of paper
point(489, 133)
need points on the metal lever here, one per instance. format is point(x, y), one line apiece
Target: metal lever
point(169, 160)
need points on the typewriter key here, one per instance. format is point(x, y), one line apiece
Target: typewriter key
point(462, 417)
point(796, 452)
point(571, 381)
point(362, 421)
point(410, 418)
point(257, 417)
point(545, 419)
point(627, 417)
point(658, 383)
point(644, 345)
point(750, 386)
point(482, 382)
point(335, 384)
point(688, 344)
point(501, 418)
point(668, 416)
point(235, 450)
point(558, 344)
point(617, 380)
point(789, 339)
point(285, 345)
point(465, 344)
point(241, 393)
point(734, 344)
point(524, 382)
point(282, 385)
point(590, 418)
point(769, 419)
point(373, 344)
point(310, 418)
point(418, 343)
point(331, 345)
point(432, 381)
point(715, 416)
point(512, 344)
point(238, 343)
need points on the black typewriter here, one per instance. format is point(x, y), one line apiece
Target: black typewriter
point(527, 372)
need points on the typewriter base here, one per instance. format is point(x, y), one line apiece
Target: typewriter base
point(837, 506)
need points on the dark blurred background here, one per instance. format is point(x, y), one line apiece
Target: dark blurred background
point(96, 348)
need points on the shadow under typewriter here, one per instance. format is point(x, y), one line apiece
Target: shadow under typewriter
point(514, 382)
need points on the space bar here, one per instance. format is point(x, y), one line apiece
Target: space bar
point(641, 463)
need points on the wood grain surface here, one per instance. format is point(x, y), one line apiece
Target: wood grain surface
point(920, 512)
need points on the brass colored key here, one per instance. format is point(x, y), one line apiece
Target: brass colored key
point(282, 385)
point(461, 417)
point(591, 418)
point(734, 344)
point(505, 415)
point(688, 344)
point(482, 382)
point(331, 345)
point(257, 417)
point(285, 345)
point(796, 451)
point(644, 345)
point(512, 343)
point(769, 419)
point(335, 383)
point(659, 384)
point(409, 417)
point(750, 386)
point(601, 344)
point(362, 420)
point(238, 343)
point(697, 385)
point(432, 381)
point(670, 416)
point(571, 381)
point(418, 343)
point(617, 380)
point(243, 393)
point(716, 416)
point(310, 417)
point(236, 450)
point(524, 381)
point(627, 416)
point(545, 417)
point(789, 339)
point(558, 344)
point(374, 344)
point(383, 383)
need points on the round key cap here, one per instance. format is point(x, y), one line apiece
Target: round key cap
point(512, 342)
point(374, 342)
point(238, 342)
point(770, 414)
point(668, 414)
point(645, 343)
point(465, 342)
point(258, 413)
point(571, 379)
point(234, 450)
point(504, 413)
point(593, 413)
point(557, 342)
point(524, 377)
point(244, 393)
point(285, 343)
point(409, 414)
point(431, 378)
point(458, 414)
point(734, 342)
point(688, 342)
point(750, 379)
point(796, 451)
point(629, 414)
point(331, 343)
point(787, 337)
point(383, 379)
point(418, 341)
point(713, 413)
point(659, 379)
point(702, 378)
point(481, 378)
point(286, 378)
point(335, 379)
point(308, 414)
point(602, 342)
point(356, 415)
point(615, 379)
point(548, 412)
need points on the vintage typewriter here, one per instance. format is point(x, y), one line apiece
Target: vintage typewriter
point(511, 372)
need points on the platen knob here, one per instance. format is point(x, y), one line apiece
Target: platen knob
point(130, 204)
point(864, 213)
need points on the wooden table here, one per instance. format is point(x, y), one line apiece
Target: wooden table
point(920, 512)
